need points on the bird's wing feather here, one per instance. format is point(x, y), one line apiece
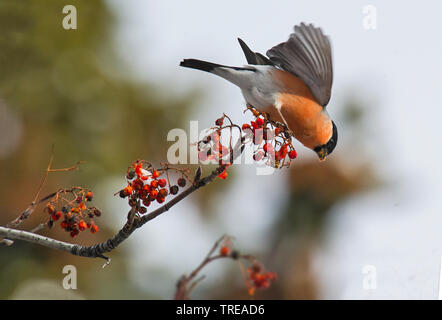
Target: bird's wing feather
point(254, 58)
point(307, 54)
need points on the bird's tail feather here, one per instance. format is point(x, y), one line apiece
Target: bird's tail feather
point(206, 66)
point(200, 65)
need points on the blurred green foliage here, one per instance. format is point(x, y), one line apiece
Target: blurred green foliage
point(69, 88)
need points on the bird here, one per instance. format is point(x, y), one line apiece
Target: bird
point(292, 83)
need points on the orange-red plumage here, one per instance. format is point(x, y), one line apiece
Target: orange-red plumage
point(300, 110)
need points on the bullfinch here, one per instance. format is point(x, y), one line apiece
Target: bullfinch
point(292, 84)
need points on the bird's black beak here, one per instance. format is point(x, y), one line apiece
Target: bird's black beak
point(322, 154)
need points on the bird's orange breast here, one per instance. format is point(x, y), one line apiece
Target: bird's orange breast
point(305, 117)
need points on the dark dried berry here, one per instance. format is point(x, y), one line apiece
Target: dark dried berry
point(182, 182)
point(130, 175)
point(219, 122)
point(50, 223)
point(123, 194)
point(65, 209)
point(142, 210)
point(97, 212)
point(174, 189)
point(235, 254)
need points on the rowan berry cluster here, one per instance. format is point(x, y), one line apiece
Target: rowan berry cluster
point(259, 279)
point(145, 184)
point(211, 148)
point(272, 140)
point(70, 205)
point(256, 277)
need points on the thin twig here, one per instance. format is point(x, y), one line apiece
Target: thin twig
point(132, 224)
point(98, 250)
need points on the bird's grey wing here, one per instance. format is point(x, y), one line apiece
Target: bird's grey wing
point(254, 58)
point(307, 54)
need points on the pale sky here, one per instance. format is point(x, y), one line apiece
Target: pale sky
point(395, 68)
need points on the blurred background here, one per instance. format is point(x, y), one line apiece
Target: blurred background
point(108, 93)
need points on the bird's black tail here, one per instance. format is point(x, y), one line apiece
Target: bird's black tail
point(205, 66)
point(199, 64)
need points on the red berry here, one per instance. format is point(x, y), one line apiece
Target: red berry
point(293, 154)
point(268, 147)
point(160, 200)
point(74, 233)
point(162, 183)
point(56, 216)
point(82, 225)
point(154, 184)
point(246, 126)
point(94, 228)
point(146, 202)
point(224, 251)
point(223, 175)
point(128, 190)
point(219, 122)
point(153, 194)
point(137, 184)
point(155, 174)
point(63, 224)
point(260, 121)
point(89, 195)
point(138, 167)
point(163, 193)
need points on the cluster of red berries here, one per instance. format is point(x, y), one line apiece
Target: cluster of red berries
point(258, 279)
point(211, 148)
point(77, 216)
point(274, 142)
point(145, 186)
